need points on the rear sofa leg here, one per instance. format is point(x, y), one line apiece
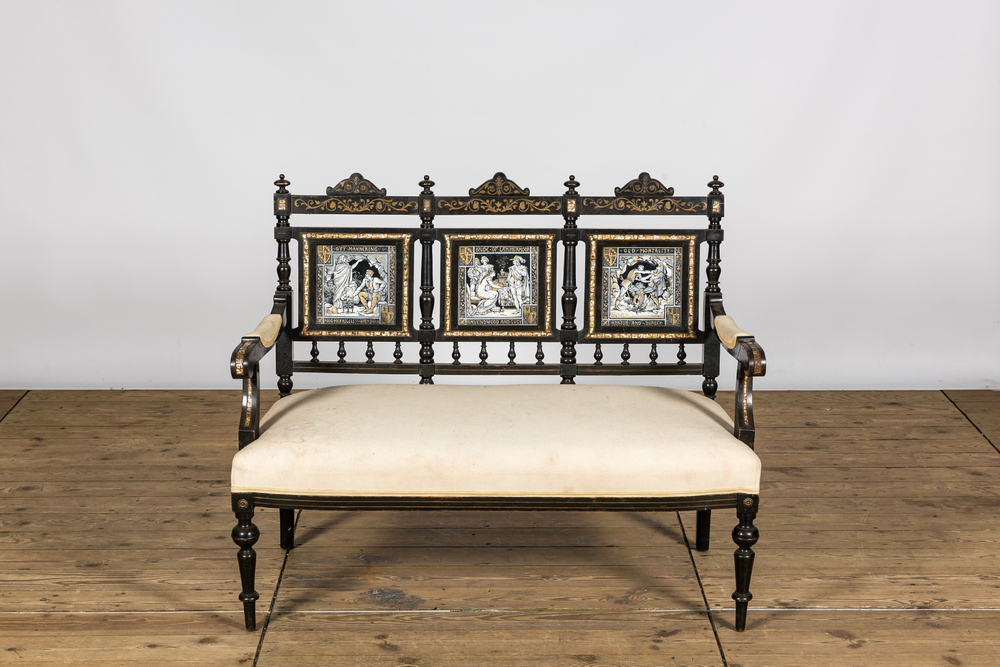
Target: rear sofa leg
point(704, 529)
point(745, 535)
point(287, 529)
point(709, 387)
point(245, 535)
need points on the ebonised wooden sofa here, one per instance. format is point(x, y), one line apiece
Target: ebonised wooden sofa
point(558, 446)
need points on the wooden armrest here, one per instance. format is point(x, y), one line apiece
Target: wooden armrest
point(254, 345)
point(738, 342)
point(243, 365)
point(745, 349)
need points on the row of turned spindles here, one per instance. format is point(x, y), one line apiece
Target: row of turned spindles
point(397, 353)
point(456, 355)
point(484, 355)
point(627, 355)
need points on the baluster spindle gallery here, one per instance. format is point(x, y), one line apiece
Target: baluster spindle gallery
point(456, 354)
point(341, 353)
point(397, 354)
point(483, 354)
point(598, 355)
point(370, 353)
point(681, 355)
point(314, 353)
point(511, 354)
point(626, 355)
point(653, 356)
point(539, 355)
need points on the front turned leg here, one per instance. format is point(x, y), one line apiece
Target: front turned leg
point(287, 529)
point(704, 529)
point(245, 535)
point(745, 535)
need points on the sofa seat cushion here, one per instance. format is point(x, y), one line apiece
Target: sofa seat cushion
point(496, 441)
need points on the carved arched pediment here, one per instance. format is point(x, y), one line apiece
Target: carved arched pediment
point(643, 186)
point(356, 184)
point(499, 186)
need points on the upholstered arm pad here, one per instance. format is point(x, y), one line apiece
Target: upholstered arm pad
point(255, 345)
point(267, 331)
point(738, 343)
point(728, 332)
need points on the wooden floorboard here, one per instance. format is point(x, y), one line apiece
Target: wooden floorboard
point(877, 548)
point(869, 517)
point(126, 639)
point(110, 536)
point(870, 639)
point(523, 638)
point(435, 560)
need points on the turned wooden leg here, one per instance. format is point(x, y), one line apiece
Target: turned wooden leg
point(703, 530)
point(709, 387)
point(287, 529)
point(245, 535)
point(745, 535)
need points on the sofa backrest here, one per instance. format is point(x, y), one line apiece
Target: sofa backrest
point(514, 284)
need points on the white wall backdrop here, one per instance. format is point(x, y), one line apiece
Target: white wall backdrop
point(859, 143)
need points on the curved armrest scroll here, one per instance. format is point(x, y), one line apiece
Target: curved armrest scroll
point(246, 356)
point(751, 356)
point(739, 343)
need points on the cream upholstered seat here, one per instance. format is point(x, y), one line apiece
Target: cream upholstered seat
point(503, 441)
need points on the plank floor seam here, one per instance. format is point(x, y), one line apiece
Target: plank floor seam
point(274, 596)
point(701, 589)
point(15, 405)
point(974, 424)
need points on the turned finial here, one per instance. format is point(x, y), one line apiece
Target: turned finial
point(426, 184)
point(282, 184)
point(715, 184)
point(572, 184)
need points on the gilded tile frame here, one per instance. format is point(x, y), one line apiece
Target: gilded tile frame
point(309, 240)
point(453, 240)
point(596, 241)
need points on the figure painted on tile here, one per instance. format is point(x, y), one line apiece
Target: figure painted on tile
point(517, 277)
point(341, 293)
point(369, 290)
point(497, 285)
point(639, 286)
point(632, 282)
point(487, 290)
point(355, 285)
point(476, 272)
point(658, 286)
